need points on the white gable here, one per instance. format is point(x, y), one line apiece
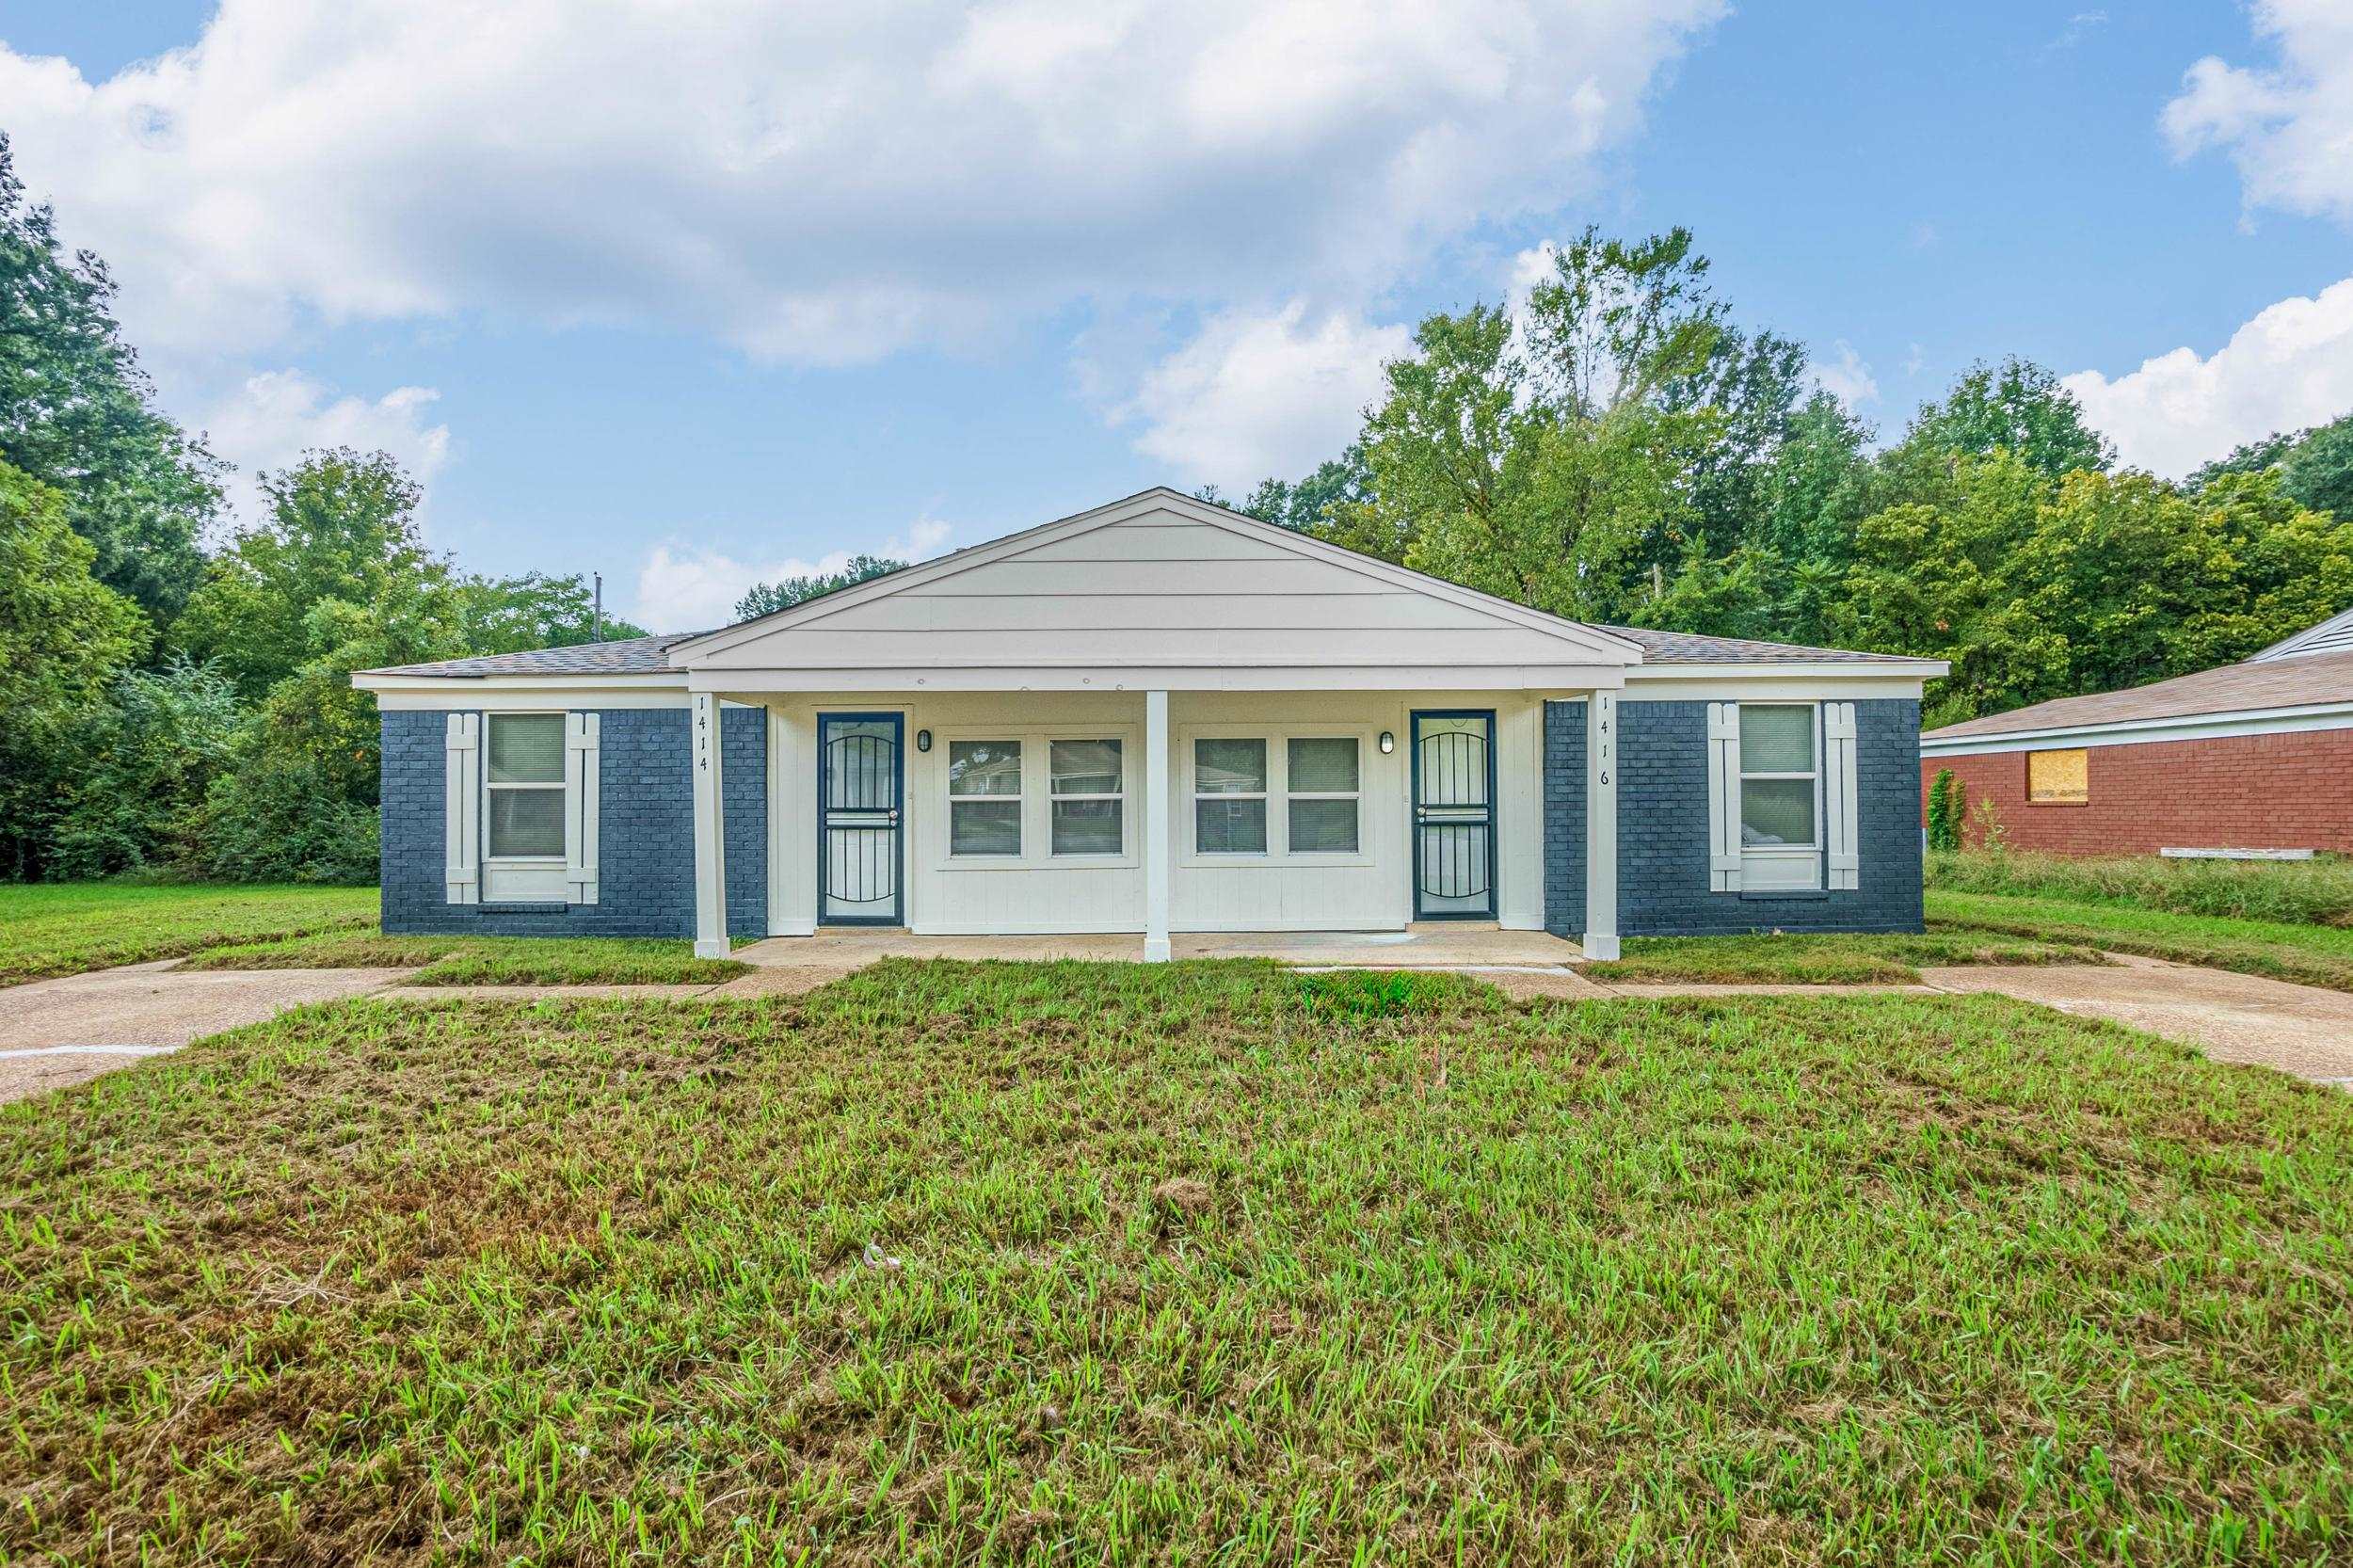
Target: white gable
point(1162, 584)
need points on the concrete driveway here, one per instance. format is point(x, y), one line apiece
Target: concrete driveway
point(59, 1031)
point(2232, 1018)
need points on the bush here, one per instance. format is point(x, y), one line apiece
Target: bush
point(277, 819)
point(1947, 797)
point(2304, 892)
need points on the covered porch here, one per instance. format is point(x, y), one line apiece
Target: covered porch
point(1385, 827)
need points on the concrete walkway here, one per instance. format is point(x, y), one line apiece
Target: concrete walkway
point(59, 1031)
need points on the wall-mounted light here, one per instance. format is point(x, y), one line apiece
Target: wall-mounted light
point(1389, 742)
point(922, 740)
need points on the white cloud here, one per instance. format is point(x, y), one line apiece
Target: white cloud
point(686, 587)
point(273, 418)
point(2290, 367)
point(816, 182)
point(1257, 394)
point(2290, 128)
point(1847, 379)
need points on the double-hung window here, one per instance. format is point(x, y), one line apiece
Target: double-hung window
point(1085, 789)
point(985, 798)
point(1229, 790)
point(1778, 777)
point(1320, 782)
point(525, 783)
point(1278, 795)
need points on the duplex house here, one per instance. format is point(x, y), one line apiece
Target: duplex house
point(1156, 716)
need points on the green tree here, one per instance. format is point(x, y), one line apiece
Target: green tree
point(2017, 407)
point(64, 637)
point(513, 615)
point(1304, 503)
point(766, 599)
point(141, 765)
point(2319, 472)
point(1948, 806)
point(341, 528)
point(77, 414)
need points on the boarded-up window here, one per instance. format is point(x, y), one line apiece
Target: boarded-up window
point(2058, 777)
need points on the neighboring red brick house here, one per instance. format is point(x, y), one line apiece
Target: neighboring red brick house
point(2256, 756)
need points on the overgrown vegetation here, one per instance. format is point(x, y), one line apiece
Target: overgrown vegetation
point(1785, 959)
point(2308, 954)
point(1103, 1263)
point(487, 960)
point(55, 930)
point(2318, 891)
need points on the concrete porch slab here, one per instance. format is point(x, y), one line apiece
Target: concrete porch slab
point(1431, 946)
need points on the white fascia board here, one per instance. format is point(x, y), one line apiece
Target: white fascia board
point(1791, 682)
point(2191, 727)
point(1190, 678)
point(1597, 644)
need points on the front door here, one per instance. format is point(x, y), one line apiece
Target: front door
point(1454, 814)
point(859, 796)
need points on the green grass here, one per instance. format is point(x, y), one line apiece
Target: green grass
point(487, 960)
point(2299, 892)
point(1805, 960)
point(65, 928)
point(1102, 1263)
point(2308, 954)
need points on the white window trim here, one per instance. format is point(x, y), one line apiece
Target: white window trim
point(1054, 798)
point(1278, 795)
point(560, 786)
point(1782, 855)
point(1037, 800)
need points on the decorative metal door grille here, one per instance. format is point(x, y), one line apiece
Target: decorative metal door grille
point(859, 800)
point(1454, 821)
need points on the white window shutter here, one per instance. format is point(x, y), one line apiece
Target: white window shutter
point(580, 807)
point(1838, 794)
point(461, 809)
point(1723, 798)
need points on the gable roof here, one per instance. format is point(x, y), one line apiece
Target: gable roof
point(2333, 635)
point(1167, 545)
point(1156, 580)
point(2260, 684)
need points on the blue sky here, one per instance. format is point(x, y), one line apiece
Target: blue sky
point(697, 295)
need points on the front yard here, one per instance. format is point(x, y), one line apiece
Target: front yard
point(1098, 1263)
point(65, 928)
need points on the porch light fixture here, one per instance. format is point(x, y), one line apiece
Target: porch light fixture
point(1389, 742)
point(922, 740)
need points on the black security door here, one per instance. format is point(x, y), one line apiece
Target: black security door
point(1454, 814)
point(859, 798)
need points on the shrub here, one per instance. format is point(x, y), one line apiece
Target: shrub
point(1948, 798)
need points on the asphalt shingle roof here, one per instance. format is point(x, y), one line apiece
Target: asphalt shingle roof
point(1685, 648)
point(629, 656)
point(651, 655)
point(2291, 682)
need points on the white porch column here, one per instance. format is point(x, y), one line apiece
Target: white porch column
point(1601, 826)
point(1159, 800)
point(711, 850)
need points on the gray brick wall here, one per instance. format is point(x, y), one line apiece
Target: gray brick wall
point(1565, 818)
point(646, 849)
point(1662, 827)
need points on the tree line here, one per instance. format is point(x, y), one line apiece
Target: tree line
point(175, 697)
point(1619, 450)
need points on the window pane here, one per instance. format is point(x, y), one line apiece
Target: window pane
point(1776, 738)
point(1229, 827)
point(2058, 777)
point(526, 748)
point(984, 827)
point(1086, 828)
point(526, 822)
point(1777, 811)
point(1324, 826)
point(1323, 765)
point(1229, 768)
point(1083, 767)
point(984, 767)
